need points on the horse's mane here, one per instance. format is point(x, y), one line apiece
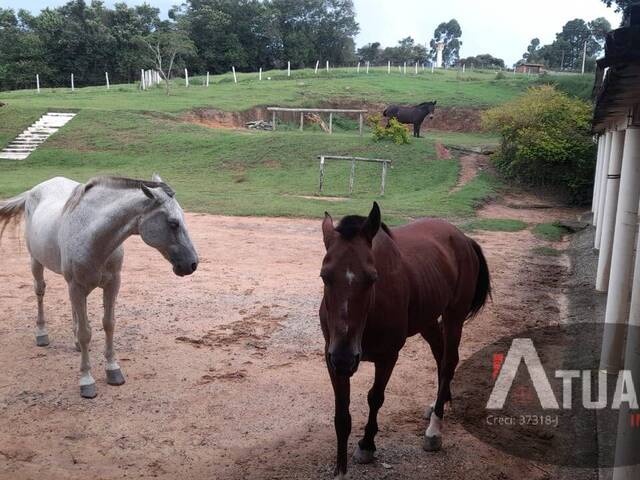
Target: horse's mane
point(423, 104)
point(121, 183)
point(350, 226)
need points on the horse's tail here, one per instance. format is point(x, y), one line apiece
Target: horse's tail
point(384, 112)
point(11, 209)
point(483, 284)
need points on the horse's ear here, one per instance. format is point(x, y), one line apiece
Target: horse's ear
point(147, 191)
point(372, 225)
point(156, 178)
point(434, 102)
point(328, 230)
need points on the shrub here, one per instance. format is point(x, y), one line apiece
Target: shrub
point(546, 140)
point(394, 130)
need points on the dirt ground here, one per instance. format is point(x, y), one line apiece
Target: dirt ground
point(225, 375)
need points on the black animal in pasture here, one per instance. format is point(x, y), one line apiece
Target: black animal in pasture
point(414, 115)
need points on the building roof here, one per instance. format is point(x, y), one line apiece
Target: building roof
point(617, 85)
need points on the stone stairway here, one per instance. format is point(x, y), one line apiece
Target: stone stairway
point(25, 143)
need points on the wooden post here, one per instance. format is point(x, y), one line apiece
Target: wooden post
point(38, 83)
point(73, 88)
point(352, 176)
point(106, 76)
point(288, 69)
point(433, 67)
point(360, 121)
point(273, 120)
point(389, 67)
point(186, 78)
point(317, 65)
point(358, 69)
point(368, 67)
point(301, 120)
point(330, 123)
point(142, 85)
point(405, 68)
point(327, 66)
point(464, 67)
point(235, 79)
point(207, 79)
point(384, 177)
point(416, 68)
point(321, 172)
point(260, 74)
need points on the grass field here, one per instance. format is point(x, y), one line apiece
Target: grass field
point(127, 132)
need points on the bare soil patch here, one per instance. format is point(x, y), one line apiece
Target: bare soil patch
point(225, 372)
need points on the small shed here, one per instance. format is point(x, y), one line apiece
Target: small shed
point(535, 68)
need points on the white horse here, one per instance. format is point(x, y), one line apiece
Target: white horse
point(77, 230)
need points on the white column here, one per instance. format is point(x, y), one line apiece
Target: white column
point(618, 298)
point(288, 69)
point(38, 83)
point(358, 68)
point(628, 437)
point(596, 179)
point(207, 79)
point(608, 219)
point(260, 74)
point(368, 67)
point(317, 65)
point(602, 193)
point(388, 66)
point(73, 87)
point(186, 78)
point(235, 78)
point(327, 65)
point(142, 80)
point(106, 77)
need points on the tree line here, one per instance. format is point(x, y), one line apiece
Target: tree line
point(89, 39)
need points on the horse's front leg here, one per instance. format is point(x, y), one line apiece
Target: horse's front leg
point(109, 295)
point(366, 447)
point(342, 419)
point(78, 297)
point(416, 130)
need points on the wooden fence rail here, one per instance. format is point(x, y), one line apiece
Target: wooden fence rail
point(352, 176)
point(330, 111)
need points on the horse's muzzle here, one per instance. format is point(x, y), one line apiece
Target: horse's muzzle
point(344, 365)
point(184, 268)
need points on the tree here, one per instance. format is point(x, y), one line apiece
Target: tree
point(531, 55)
point(449, 33)
point(165, 47)
point(484, 60)
point(621, 5)
point(369, 53)
point(599, 28)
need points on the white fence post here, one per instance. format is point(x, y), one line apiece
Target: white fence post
point(235, 78)
point(106, 77)
point(358, 69)
point(288, 69)
point(38, 83)
point(389, 66)
point(327, 66)
point(367, 67)
point(142, 85)
point(416, 68)
point(73, 87)
point(207, 79)
point(260, 74)
point(405, 68)
point(317, 65)
point(433, 67)
point(186, 78)
point(464, 67)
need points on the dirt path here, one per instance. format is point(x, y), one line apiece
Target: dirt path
point(225, 376)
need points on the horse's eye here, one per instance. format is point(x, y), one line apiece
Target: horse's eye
point(173, 225)
point(371, 277)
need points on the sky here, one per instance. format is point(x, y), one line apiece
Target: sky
point(502, 28)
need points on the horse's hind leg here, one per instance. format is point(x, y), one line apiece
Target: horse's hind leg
point(110, 294)
point(416, 130)
point(452, 328)
point(366, 447)
point(434, 338)
point(42, 336)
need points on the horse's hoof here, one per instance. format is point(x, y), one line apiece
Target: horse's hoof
point(362, 457)
point(42, 340)
point(341, 476)
point(88, 391)
point(432, 444)
point(115, 377)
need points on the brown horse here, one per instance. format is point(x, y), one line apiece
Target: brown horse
point(382, 286)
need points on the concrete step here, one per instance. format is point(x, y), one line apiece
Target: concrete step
point(34, 135)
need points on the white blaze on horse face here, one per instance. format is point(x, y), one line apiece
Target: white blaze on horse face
point(435, 426)
point(345, 311)
point(350, 276)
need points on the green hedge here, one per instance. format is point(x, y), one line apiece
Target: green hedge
point(546, 140)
